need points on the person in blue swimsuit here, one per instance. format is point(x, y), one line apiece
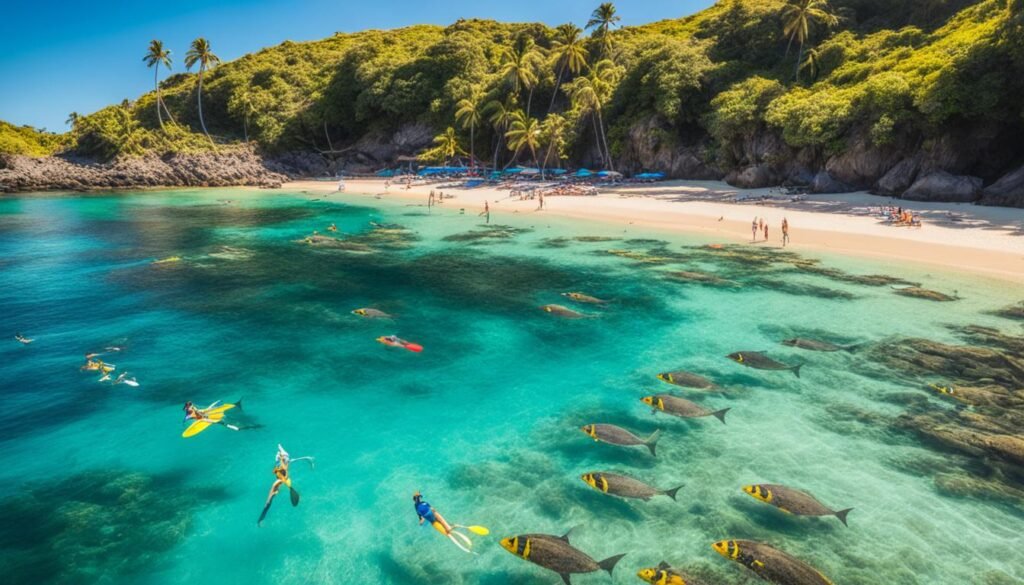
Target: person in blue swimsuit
point(427, 512)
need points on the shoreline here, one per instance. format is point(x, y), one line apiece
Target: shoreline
point(969, 238)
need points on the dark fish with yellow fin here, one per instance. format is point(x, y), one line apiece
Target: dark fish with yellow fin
point(371, 313)
point(769, 563)
point(681, 407)
point(624, 486)
point(584, 298)
point(759, 361)
point(793, 501)
point(687, 380)
point(563, 312)
point(556, 554)
point(619, 436)
point(663, 574)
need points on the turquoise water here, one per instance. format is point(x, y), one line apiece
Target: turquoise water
point(102, 488)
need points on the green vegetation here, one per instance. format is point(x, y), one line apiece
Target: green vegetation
point(28, 141)
point(818, 74)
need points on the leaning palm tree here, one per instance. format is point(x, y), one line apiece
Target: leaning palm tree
point(812, 64)
point(500, 116)
point(602, 19)
point(589, 93)
point(200, 53)
point(155, 57)
point(446, 147)
point(247, 109)
point(524, 133)
point(553, 133)
point(797, 18)
point(468, 113)
point(568, 52)
point(519, 66)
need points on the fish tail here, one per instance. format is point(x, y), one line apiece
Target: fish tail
point(672, 492)
point(238, 404)
point(652, 441)
point(609, 563)
point(841, 514)
point(720, 414)
point(796, 370)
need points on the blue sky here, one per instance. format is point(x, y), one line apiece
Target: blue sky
point(77, 55)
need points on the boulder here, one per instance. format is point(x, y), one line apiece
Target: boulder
point(942, 186)
point(860, 166)
point(824, 183)
point(1008, 190)
point(752, 177)
point(899, 178)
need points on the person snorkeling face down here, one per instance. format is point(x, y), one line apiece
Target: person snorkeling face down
point(191, 411)
point(427, 512)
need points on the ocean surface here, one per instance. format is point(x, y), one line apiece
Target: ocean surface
point(100, 487)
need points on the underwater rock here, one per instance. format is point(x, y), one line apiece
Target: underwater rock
point(964, 485)
point(808, 290)
point(327, 242)
point(992, 337)
point(923, 293)
point(839, 275)
point(1012, 312)
point(559, 242)
point(1009, 448)
point(641, 257)
point(923, 357)
point(595, 239)
point(700, 278)
point(487, 235)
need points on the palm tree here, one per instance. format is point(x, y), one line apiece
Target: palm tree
point(519, 66)
point(525, 132)
point(247, 108)
point(589, 93)
point(812, 64)
point(553, 133)
point(468, 113)
point(72, 120)
point(155, 57)
point(797, 18)
point(568, 52)
point(446, 147)
point(602, 19)
point(200, 53)
point(500, 116)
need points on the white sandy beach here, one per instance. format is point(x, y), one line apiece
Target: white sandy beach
point(988, 240)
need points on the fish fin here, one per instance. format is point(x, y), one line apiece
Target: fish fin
point(672, 492)
point(841, 514)
point(652, 441)
point(720, 414)
point(609, 563)
point(238, 404)
point(796, 370)
point(565, 577)
point(664, 565)
point(565, 536)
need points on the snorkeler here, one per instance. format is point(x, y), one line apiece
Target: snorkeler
point(22, 339)
point(395, 341)
point(281, 463)
point(427, 513)
point(332, 228)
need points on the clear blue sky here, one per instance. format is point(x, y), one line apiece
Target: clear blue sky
point(79, 55)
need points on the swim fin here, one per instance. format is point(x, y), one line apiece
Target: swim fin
point(264, 513)
point(294, 495)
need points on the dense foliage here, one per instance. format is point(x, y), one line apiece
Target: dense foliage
point(884, 69)
point(27, 140)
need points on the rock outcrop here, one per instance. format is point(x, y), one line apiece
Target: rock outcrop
point(942, 186)
point(227, 168)
point(1008, 190)
point(899, 178)
point(824, 183)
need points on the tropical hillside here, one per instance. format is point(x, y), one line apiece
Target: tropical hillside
point(839, 94)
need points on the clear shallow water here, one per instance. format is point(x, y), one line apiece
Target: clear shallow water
point(101, 488)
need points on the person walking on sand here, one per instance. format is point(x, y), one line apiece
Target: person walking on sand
point(430, 200)
point(540, 196)
point(785, 232)
point(753, 230)
point(486, 212)
point(766, 231)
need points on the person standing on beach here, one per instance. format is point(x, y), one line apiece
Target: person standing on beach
point(785, 232)
point(753, 230)
point(766, 231)
point(541, 197)
point(486, 212)
point(430, 201)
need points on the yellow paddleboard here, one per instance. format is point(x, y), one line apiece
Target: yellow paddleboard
point(213, 416)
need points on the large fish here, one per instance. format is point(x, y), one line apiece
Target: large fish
point(687, 380)
point(624, 486)
point(556, 554)
point(564, 312)
point(793, 501)
point(583, 298)
point(813, 344)
point(759, 361)
point(370, 313)
point(620, 436)
point(681, 407)
point(769, 563)
point(663, 574)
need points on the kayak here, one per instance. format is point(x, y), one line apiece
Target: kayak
point(413, 347)
point(212, 416)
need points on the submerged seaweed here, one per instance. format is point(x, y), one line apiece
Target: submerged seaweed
point(103, 523)
point(487, 235)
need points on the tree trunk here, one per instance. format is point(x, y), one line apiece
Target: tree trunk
point(604, 138)
point(497, 148)
point(558, 84)
point(799, 58)
point(156, 83)
point(201, 121)
point(245, 127)
point(597, 137)
point(329, 145)
point(529, 99)
point(472, 146)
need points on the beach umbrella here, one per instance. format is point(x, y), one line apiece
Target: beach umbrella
point(584, 173)
point(513, 171)
point(556, 172)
